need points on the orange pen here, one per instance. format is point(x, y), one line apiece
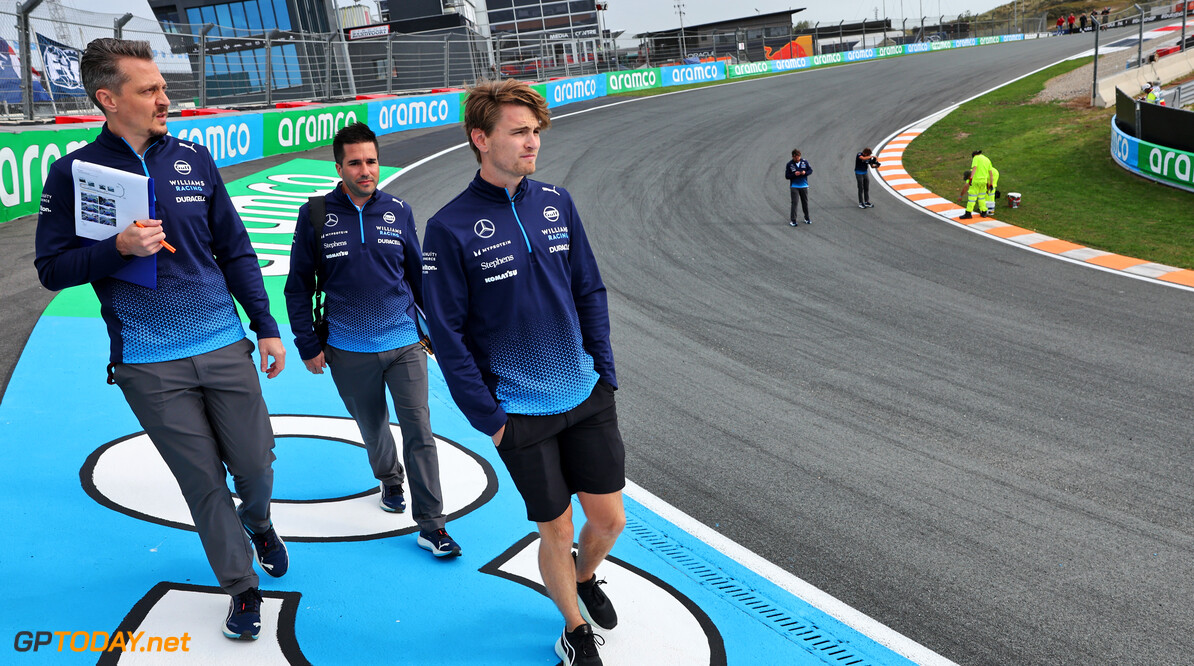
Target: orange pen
point(163, 243)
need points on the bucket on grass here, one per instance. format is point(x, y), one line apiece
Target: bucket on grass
point(1013, 199)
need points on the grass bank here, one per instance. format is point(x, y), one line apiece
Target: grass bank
point(1058, 156)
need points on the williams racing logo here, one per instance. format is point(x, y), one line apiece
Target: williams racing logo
point(182, 167)
point(484, 228)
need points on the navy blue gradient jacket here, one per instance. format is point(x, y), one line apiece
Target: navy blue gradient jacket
point(372, 275)
point(515, 303)
point(191, 312)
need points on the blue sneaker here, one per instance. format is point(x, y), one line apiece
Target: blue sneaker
point(439, 543)
point(392, 499)
point(244, 615)
point(271, 552)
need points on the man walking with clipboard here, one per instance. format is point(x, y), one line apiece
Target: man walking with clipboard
point(178, 349)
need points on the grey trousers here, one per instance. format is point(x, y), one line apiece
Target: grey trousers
point(202, 413)
point(864, 187)
point(799, 197)
point(361, 379)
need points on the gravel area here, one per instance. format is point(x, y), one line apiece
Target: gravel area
point(1078, 82)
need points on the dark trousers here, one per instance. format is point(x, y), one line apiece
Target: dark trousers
point(362, 379)
point(864, 187)
point(203, 413)
point(799, 195)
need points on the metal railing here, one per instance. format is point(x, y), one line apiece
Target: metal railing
point(755, 45)
point(218, 66)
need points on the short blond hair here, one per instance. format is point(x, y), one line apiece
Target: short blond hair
point(483, 107)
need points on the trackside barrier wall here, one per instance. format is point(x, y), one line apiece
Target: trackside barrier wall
point(26, 156)
point(1148, 160)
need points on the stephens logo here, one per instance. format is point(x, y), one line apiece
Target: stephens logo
point(331, 220)
point(182, 167)
point(551, 214)
point(389, 217)
point(484, 228)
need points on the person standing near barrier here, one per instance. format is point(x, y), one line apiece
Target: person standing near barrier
point(863, 161)
point(1060, 25)
point(1071, 22)
point(370, 266)
point(797, 172)
point(518, 314)
point(1082, 22)
point(178, 349)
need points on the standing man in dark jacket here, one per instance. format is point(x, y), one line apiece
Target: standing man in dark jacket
point(179, 351)
point(370, 268)
point(863, 161)
point(797, 172)
point(518, 314)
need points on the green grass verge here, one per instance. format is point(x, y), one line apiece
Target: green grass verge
point(1058, 156)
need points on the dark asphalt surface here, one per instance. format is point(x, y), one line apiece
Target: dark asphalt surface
point(985, 449)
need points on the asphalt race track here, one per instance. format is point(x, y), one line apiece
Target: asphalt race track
point(985, 449)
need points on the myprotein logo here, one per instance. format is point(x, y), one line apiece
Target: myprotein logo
point(182, 167)
point(551, 214)
point(633, 80)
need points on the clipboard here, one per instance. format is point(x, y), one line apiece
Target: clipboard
point(107, 201)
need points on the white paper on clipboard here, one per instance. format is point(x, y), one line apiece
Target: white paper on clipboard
point(107, 200)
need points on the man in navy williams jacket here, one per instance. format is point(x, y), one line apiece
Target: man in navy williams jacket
point(517, 312)
point(179, 351)
point(371, 271)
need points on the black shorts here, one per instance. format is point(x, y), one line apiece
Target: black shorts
point(552, 457)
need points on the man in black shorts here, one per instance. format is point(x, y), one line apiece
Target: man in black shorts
point(518, 318)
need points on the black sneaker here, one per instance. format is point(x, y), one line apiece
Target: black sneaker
point(792, 223)
point(439, 543)
point(965, 216)
point(392, 499)
point(244, 615)
point(869, 205)
point(579, 646)
point(807, 221)
point(862, 205)
point(595, 607)
point(271, 552)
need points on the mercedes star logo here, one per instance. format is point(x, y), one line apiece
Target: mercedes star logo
point(484, 228)
point(331, 220)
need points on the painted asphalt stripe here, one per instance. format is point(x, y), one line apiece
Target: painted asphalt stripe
point(899, 182)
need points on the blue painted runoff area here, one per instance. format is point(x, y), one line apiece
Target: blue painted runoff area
point(95, 544)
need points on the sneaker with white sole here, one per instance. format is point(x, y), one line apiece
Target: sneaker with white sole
point(439, 543)
point(392, 499)
point(271, 552)
point(244, 616)
point(579, 646)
